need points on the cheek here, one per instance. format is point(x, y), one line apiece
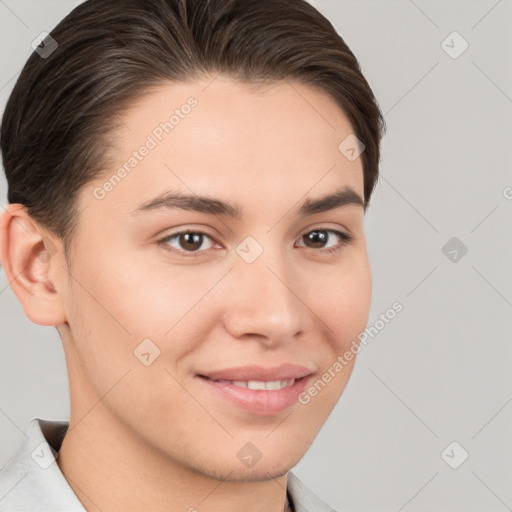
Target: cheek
point(344, 299)
point(119, 302)
point(102, 335)
point(112, 310)
point(344, 307)
point(158, 293)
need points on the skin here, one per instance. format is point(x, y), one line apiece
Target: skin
point(150, 437)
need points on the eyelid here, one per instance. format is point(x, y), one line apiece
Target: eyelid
point(199, 231)
point(345, 236)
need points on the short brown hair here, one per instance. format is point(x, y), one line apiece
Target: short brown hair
point(54, 134)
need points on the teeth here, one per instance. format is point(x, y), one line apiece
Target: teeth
point(256, 384)
point(261, 385)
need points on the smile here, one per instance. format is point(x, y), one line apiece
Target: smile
point(258, 397)
point(260, 384)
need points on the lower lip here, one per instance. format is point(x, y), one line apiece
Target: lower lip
point(259, 401)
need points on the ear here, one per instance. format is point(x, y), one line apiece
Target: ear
point(30, 257)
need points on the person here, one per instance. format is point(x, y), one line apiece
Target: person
point(187, 183)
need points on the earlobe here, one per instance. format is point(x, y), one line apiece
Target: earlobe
point(27, 256)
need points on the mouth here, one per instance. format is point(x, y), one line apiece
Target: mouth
point(255, 373)
point(270, 385)
point(257, 390)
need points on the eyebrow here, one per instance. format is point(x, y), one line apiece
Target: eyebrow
point(205, 204)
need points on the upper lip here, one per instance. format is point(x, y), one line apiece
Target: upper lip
point(261, 373)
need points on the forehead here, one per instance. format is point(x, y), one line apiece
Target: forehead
point(224, 138)
point(287, 110)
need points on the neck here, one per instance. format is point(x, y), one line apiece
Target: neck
point(109, 469)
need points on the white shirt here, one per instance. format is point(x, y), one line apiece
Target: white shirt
point(32, 481)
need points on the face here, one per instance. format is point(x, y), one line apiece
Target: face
point(175, 304)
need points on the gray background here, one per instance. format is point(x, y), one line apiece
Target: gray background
point(440, 371)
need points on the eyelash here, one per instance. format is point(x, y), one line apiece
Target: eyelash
point(346, 239)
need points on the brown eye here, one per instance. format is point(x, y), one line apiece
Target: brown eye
point(187, 241)
point(318, 238)
point(190, 241)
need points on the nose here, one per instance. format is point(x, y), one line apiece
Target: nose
point(263, 303)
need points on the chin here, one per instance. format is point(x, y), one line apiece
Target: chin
point(259, 473)
point(267, 468)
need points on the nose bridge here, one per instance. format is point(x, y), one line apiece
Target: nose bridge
point(263, 300)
